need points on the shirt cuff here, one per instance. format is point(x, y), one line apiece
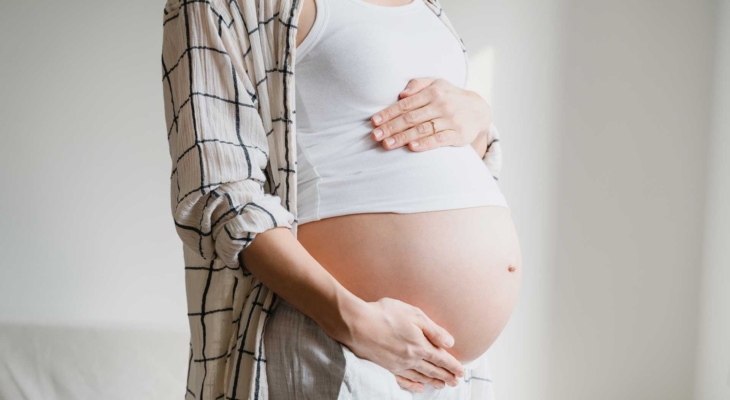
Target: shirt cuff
point(493, 157)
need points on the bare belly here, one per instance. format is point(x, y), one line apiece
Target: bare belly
point(461, 267)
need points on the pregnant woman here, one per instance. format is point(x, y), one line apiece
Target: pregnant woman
point(384, 212)
point(369, 256)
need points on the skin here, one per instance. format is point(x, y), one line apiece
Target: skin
point(431, 113)
point(392, 333)
point(460, 267)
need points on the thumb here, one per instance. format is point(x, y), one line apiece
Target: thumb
point(436, 334)
point(415, 85)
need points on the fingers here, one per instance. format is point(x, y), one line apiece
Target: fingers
point(442, 138)
point(434, 332)
point(399, 108)
point(417, 377)
point(411, 98)
point(415, 86)
point(393, 133)
point(409, 384)
point(441, 358)
point(438, 339)
point(419, 131)
point(390, 131)
point(398, 124)
point(440, 374)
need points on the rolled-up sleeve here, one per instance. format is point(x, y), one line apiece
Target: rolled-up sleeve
point(216, 137)
point(493, 157)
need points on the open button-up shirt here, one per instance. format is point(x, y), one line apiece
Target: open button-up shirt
point(228, 84)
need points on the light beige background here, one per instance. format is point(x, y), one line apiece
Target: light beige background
point(614, 118)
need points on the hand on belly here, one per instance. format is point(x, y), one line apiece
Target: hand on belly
point(461, 267)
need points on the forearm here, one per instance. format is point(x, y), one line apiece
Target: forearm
point(281, 263)
point(390, 333)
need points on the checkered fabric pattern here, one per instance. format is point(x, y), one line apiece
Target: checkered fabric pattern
point(228, 84)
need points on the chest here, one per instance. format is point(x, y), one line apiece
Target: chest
point(362, 60)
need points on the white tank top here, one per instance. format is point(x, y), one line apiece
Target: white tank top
point(353, 63)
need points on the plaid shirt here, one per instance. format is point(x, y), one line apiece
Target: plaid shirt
point(228, 84)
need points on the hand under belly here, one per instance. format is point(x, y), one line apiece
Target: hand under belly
point(461, 267)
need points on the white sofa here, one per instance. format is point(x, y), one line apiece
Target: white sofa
point(40, 362)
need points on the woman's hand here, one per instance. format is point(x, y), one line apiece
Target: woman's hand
point(404, 340)
point(432, 113)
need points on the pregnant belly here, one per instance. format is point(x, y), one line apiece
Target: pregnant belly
point(461, 267)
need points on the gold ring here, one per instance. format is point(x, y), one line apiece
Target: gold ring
point(433, 125)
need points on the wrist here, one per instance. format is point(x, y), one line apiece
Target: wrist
point(344, 310)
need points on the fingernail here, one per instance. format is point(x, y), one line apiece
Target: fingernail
point(449, 341)
point(389, 141)
point(378, 133)
point(377, 119)
point(406, 90)
point(415, 144)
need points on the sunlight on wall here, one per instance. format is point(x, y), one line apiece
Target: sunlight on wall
point(481, 72)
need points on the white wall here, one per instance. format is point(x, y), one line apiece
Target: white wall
point(635, 109)
point(82, 98)
point(713, 361)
